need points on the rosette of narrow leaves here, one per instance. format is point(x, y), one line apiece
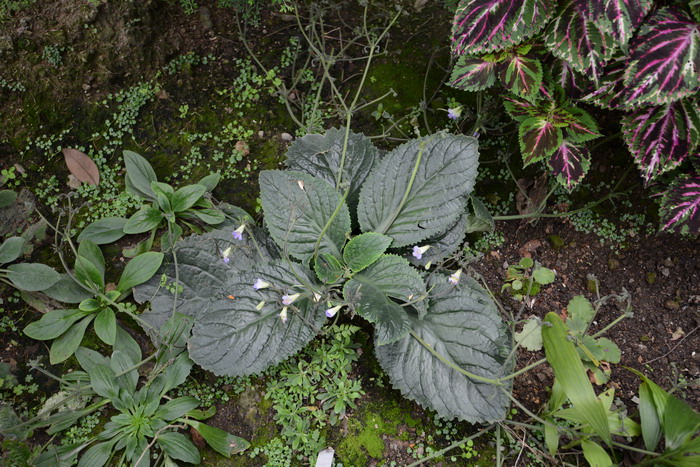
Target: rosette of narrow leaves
point(680, 205)
point(86, 286)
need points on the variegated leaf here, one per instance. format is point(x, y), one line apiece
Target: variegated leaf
point(521, 75)
point(519, 109)
point(574, 84)
point(539, 138)
point(680, 205)
point(569, 164)
point(660, 138)
point(472, 73)
point(581, 127)
point(610, 93)
point(622, 17)
point(490, 25)
point(664, 59)
point(586, 44)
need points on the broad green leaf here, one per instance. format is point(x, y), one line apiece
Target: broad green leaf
point(442, 245)
point(394, 277)
point(120, 362)
point(531, 335)
point(106, 326)
point(202, 272)
point(464, 327)
point(53, 324)
point(568, 369)
point(580, 312)
point(90, 305)
point(103, 231)
point(88, 274)
point(220, 441)
point(91, 252)
point(170, 237)
point(88, 358)
point(178, 447)
point(418, 189)
point(144, 246)
point(365, 249)
point(320, 156)
point(479, 218)
point(164, 188)
point(139, 175)
point(103, 381)
point(67, 344)
point(185, 197)
point(543, 275)
point(390, 320)
point(297, 208)
point(11, 249)
point(551, 436)
point(7, 197)
point(143, 220)
point(176, 408)
point(599, 349)
point(59, 456)
point(239, 337)
point(32, 277)
point(328, 268)
point(125, 343)
point(651, 425)
point(66, 290)
point(595, 454)
point(97, 455)
point(162, 197)
point(140, 270)
point(211, 216)
point(210, 181)
point(177, 372)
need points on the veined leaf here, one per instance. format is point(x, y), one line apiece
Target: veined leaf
point(320, 156)
point(234, 336)
point(595, 454)
point(328, 268)
point(220, 441)
point(660, 138)
point(67, 290)
point(473, 73)
point(81, 166)
point(651, 425)
point(185, 197)
point(91, 252)
point(572, 36)
point(521, 75)
point(463, 326)
point(680, 205)
point(32, 277)
point(569, 164)
point(664, 63)
point(539, 138)
point(365, 249)
point(418, 189)
point(610, 92)
point(297, 207)
point(623, 16)
point(574, 84)
point(490, 25)
point(139, 270)
point(390, 320)
point(139, 175)
point(520, 109)
point(444, 244)
point(582, 127)
point(53, 324)
point(178, 447)
point(143, 220)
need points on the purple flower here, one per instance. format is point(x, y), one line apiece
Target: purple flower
point(226, 253)
point(260, 284)
point(419, 250)
point(238, 233)
point(454, 113)
point(454, 278)
point(289, 299)
point(332, 311)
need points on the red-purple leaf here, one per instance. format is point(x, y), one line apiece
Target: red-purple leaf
point(521, 75)
point(623, 16)
point(569, 164)
point(660, 138)
point(539, 138)
point(490, 25)
point(473, 73)
point(586, 44)
point(574, 84)
point(81, 166)
point(680, 205)
point(664, 59)
point(611, 88)
point(581, 127)
point(519, 109)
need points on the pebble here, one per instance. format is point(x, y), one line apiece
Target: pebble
point(287, 137)
point(665, 272)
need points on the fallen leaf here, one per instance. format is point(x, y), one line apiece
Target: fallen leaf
point(242, 146)
point(81, 166)
point(197, 439)
point(536, 192)
point(528, 248)
point(678, 334)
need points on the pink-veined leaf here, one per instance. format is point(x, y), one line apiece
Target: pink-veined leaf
point(610, 93)
point(539, 138)
point(664, 59)
point(574, 84)
point(519, 109)
point(623, 16)
point(569, 164)
point(660, 138)
point(581, 127)
point(586, 44)
point(680, 205)
point(521, 75)
point(472, 73)
point(490, 25)
point(81, 166)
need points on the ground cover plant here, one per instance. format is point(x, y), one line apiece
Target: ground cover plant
point(285, 238)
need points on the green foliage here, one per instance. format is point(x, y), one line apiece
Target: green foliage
point(522, 280)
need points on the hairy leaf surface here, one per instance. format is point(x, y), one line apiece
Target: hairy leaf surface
point(297, 207)
point(463, 326)
point(390, 320)
point(233, 337)
point(418, 189)
point(660, 138)
point(442, 245)
point(490, 25)
point(473, 73)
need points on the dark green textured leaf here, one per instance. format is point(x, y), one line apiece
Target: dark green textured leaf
point(11, 249)
point(320, 155)
point(234, 337)
point(328, 269)
point(462, 325)
point(103, 231)
point(418, 189)
point(68, 343)
point(297, 207)
point(143, 220)
point(442, 245)
point(32, 277)
point(390, 320)
point(140, 270)
point(365, 249)
point(139, 175)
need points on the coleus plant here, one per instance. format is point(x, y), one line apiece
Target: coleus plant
point(630, 55)
point(349, 231)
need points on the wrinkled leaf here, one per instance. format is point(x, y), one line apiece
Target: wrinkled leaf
point(365, 249)
point(624, 16)
point(390, 320)
point(479, 218)
point(441, 245)
point(328, 269)
point(81, 166)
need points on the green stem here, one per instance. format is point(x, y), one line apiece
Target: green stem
point(340, 205)
point(135, 367)
point(452, 446)
point(523, 370)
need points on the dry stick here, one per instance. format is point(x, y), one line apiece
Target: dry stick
point(674, 347)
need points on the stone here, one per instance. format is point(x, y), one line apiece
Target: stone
point(287, 137)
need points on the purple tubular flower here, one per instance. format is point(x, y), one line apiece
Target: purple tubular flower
point(419, 250)
point(260, 284)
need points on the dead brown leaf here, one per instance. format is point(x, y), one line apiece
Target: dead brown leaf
point(81, 166)
point(677, 334)
point(243, 147)
point(531, 194)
